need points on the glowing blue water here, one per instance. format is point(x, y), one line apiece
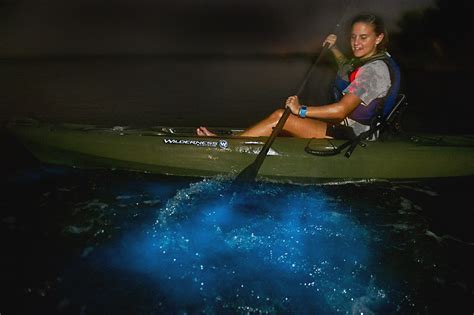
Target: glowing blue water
point(114, 243)
point(298, 251)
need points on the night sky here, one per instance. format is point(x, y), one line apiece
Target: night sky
point(55, 27)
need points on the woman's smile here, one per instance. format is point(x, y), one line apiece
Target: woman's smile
point(364, 41)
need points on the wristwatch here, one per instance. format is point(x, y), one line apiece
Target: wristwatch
point(302, 111)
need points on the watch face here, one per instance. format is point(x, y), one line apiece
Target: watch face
point(302, 111)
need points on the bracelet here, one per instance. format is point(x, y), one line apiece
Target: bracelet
point(302, 111)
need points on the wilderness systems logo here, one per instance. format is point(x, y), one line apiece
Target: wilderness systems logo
point(223, 144)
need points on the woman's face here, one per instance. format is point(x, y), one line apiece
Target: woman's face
point(364, 41)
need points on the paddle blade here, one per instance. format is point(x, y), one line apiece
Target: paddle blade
point(251, 171)
point(248, 174)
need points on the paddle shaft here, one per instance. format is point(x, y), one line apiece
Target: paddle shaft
point(251, 171)
point(310, 70)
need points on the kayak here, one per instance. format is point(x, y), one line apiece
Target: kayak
point(179, 151)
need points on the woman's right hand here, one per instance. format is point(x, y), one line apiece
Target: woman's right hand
point(294, 104)
point(330, 41)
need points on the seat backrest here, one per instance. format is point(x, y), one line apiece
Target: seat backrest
point(392, 102)
point(390, 124)
point(398, 105)
point(393, 94)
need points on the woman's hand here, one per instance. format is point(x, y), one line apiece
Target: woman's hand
point(294, 104)
point(330, 41)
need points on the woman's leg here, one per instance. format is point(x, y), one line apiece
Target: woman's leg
point(294, 125)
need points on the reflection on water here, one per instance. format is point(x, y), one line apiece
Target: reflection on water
point(110, 242)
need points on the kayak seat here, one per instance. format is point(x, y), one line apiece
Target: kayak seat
point(387, 117)
point(393, 122)
point(390, 125)
point(380, 128)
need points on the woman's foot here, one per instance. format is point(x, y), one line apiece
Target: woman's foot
point(204, 132)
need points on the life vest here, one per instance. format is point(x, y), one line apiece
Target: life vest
point(364, 114)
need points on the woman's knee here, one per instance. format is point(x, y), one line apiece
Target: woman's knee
point(276, 115)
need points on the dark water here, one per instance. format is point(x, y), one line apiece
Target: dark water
point(80, 242)
point(103, 242)
point(173, 91)
point(203, 90)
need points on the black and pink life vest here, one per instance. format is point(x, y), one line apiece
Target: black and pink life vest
point(364, 114)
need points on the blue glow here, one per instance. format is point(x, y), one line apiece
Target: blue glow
point(298, 252)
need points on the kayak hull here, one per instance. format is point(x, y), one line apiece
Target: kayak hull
point(177, 151)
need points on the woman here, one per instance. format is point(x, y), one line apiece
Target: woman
point(369, 82)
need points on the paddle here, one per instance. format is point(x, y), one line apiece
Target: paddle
point(250, 172)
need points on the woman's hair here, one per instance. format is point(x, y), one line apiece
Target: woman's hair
point(377, 23)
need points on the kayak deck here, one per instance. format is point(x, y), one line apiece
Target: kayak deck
point(178, 151)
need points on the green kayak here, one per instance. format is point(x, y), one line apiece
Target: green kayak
point(178, 151)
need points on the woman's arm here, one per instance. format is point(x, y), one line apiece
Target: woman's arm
point(334, 112)
point(338, 55)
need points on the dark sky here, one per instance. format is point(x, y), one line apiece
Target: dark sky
point(39, 27)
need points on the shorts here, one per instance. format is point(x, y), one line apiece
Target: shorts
point(340, 131)
point(347, 129)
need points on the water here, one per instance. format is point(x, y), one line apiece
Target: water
point(214, 91)
point(104, 242)
point(164, 90)
point(109, 242)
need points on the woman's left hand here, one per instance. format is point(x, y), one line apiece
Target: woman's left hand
point(294, 104)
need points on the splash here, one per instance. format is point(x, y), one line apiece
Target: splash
point(272, 249)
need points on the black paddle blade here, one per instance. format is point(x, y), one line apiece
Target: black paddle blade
point(248, 174)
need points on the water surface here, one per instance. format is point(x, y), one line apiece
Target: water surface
point(104, 242)
point(111, 242)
